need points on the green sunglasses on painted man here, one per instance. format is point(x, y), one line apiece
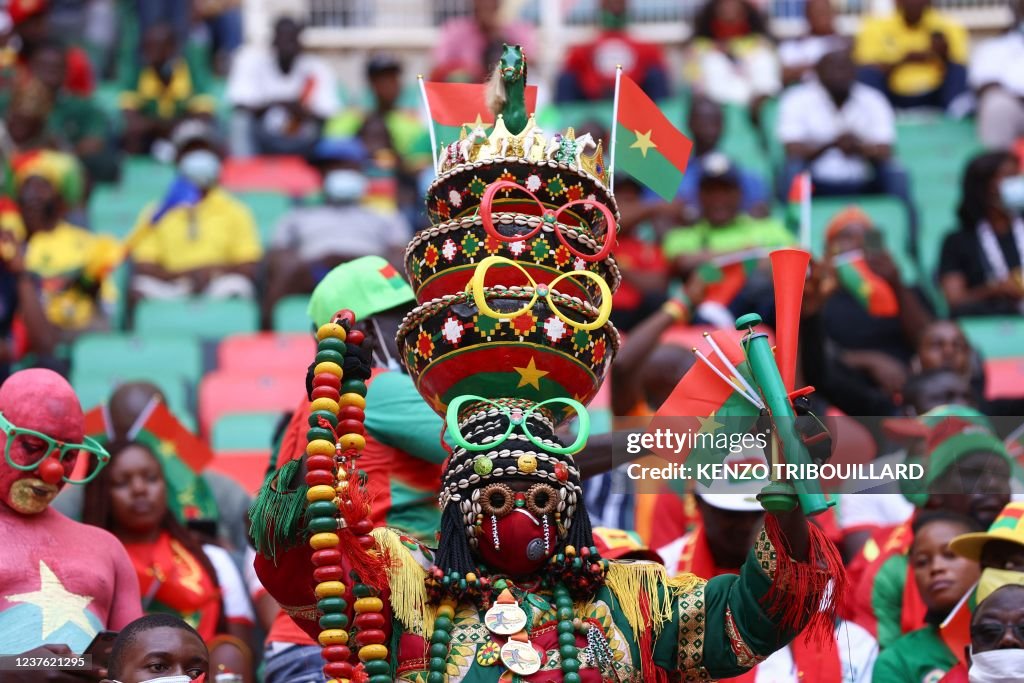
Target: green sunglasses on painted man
point(33, 440)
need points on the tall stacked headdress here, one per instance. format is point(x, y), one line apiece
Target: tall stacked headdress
point(511, 337)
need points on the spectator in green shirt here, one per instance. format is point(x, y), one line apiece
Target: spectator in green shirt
point(164, 89)
point(722, 227)
point(409, 139)
point(76, 122)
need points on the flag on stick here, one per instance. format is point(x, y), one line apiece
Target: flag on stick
point(870, 290)
point(648, 147)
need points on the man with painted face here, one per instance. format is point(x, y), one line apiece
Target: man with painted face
point(61, 582)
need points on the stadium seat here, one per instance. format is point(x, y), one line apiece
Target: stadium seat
point(889, 215)
point(290, 314)
point(203, 317)
point(267, 208)
point(126, 355)
point(1004, 378)
point(244, 431)
point(248, 468)
point(225, 393)
point(278, 175)
point(996, 336)
point(267, 351)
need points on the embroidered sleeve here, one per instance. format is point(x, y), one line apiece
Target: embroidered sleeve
point(691, 637)
point(745, 656)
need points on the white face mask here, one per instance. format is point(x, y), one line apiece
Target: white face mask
point(201, 166)
point(997, 666)
point(344, 186)
point(1011, 191)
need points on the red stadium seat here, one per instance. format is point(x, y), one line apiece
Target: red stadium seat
point(246, 467)
point(273, 352)
point(225, 392)
point(1004, 378)
point(287, 175)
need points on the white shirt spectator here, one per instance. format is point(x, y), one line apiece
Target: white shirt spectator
point(349, 231)
point(808, 115)
point(256, 81)
point(237, 608)
point(856, 648)
point(807, 50)
point(999, 61)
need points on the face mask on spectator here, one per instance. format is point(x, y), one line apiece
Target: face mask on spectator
point(200, 166)
point(344, 186)
point(996, 666)
point(1011, 191)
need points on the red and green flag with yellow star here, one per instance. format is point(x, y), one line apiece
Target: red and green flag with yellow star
point(647, 146)
point(869, 289)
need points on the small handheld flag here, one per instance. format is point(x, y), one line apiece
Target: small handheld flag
point(648, 146)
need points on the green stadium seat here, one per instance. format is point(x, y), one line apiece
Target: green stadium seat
point(888, 213)
point(290, 314)
point(267, 208)
point(126, 355)
point(996, 336)
point(244, 431)
point(203, 317)
point(95, 388)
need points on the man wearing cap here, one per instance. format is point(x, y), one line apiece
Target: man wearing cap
point(409, 139)
point(311, 240)
point(198, 239)
point(967, 472)
point(1000, 550)
point(725, 236)
point(402, 457)
point(282, 97)
point(730, 519)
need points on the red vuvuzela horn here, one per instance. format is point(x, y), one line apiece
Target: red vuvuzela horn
point(789, 272)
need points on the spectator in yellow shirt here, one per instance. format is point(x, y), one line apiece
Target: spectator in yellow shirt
point(71, 264)
point(917, 56)
point(199, 240)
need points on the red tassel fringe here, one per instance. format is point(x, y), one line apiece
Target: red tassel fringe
point(370, 567)
point(645, 642)
point(806, 596)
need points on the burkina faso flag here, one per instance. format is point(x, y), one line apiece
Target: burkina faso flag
point(647, 146)
point(454, 106)
point(726, 275)
point(869, 289)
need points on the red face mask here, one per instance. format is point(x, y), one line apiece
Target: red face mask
point(524, 543)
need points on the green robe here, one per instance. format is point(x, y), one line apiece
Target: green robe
point(918, 657)
point(714, 629)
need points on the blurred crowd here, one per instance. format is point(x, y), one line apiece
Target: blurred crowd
point(88, 90)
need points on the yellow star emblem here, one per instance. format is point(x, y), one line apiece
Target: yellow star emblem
point(643, 142)
point(58, 605)
point(530, 375)
point(437, 404)
point(479, 123)
point(709, 424)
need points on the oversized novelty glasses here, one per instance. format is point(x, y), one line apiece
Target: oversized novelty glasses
point(518, 417)
point(476, 286)
point(548, 217)
point(31, 441)
point(498, 500)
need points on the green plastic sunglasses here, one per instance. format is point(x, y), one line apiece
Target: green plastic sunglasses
point(66, 449)
point(518, 417)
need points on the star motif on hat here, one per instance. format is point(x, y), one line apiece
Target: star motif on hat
point(643, 142)
point(530, 375)
point(58, 605)
point(437, 404)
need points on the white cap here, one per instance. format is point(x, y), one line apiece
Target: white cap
point(737, 494)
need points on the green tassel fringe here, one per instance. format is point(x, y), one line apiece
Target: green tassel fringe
point(276, 515)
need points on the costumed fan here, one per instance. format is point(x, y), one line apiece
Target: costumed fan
point(510, 340)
